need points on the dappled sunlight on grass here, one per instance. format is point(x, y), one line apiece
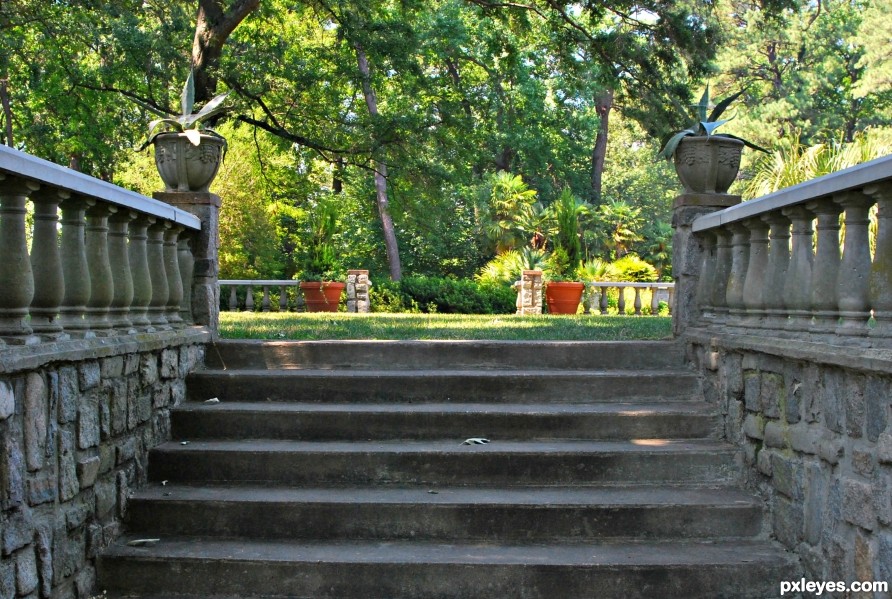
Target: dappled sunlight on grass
point(274, 325)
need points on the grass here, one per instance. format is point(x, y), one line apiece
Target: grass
point(302, 326)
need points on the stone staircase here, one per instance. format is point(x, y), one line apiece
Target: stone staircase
point(337, 470)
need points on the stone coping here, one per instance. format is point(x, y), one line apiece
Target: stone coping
point(30, 167)
point(657, 285)
point(857, 177)
point(30, 357)
point(875, 360)
point(259, 282)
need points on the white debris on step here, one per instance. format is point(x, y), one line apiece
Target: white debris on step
point(212, 400)
point(142, 542)
point(475, 441)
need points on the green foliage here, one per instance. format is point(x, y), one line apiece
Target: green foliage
point(631, 268)
point(507, 267)
point(441, 295)
point(568, 212)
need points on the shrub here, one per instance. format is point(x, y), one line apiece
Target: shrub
point(631, 268)
point(440, 295)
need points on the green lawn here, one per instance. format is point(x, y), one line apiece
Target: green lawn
point(275, 325)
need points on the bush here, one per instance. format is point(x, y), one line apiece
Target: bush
point(440, 295)
point(631, 268)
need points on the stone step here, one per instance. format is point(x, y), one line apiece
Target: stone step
point(217, 568)
point(476, 386)
point(323, 422)
point(457, 514)
point(430, 355)
point(447, 463)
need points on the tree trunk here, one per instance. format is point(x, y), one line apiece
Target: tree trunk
point(213, 25)
point(390, 244)
point(7, 111)
point(599, 153)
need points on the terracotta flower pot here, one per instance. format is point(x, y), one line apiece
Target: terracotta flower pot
point(563, 297)
point(322, 296)
point(708, 164)
point(186, 167)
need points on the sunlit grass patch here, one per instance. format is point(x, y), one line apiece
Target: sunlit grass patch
point(276, 325)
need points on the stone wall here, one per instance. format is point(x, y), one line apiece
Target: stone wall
point(77, 419)
point(815, 427)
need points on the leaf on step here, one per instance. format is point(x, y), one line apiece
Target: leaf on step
point(164, 483)
point(184, 443)
point(212, 400)
point(475, 441)
point(142, 542)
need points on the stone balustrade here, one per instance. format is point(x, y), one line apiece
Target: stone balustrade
point(799, 262)
point(598, 298)
point(114, 263)
point(358, 285)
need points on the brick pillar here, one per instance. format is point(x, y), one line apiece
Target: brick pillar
point(205, 246)
point(687, 252)
point(358, 291)
point(529, 293)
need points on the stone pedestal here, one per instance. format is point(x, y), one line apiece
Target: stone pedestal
point(529, 293)
point(358, 285)
point(205, 246)
point(687, 252)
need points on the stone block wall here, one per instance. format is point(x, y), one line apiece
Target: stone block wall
point(815, 425)
point(77, 419)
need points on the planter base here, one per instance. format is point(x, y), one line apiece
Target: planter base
point(322, 296)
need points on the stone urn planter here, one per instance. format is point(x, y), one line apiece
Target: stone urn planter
point(322, 296)
point(187, 167)
point(563, 297)
point(708, 164)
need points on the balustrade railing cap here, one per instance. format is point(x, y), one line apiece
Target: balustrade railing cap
point(853, 178)
point(46, 173)
point(259, 282)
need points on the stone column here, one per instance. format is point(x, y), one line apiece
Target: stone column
point(740, 256)
point(722, 274)
point(205, 293)
point(776, 275)
point(757, 269)
point(102, 288)
point(880, 283)
point(855, 267)
point(358, 291)
point(174, 278)
point(139, 272)
point(17, 289)
point(687, 253)
point(797, 290)
point(118, 230)
point(75, 270)
point(824, 301)
point(49, 286)
point(529, 293)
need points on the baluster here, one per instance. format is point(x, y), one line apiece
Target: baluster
point(283, 299)
point(621, 301)
point(654, 301)
point(174, 277)
point(75, 271)
point(776, 273)
point(671, 300)
point(264, 303)
point(637, 302)
point(740, 255)
point(880, 284)
point(757, 267)
point(707, 278)
point(140, 273)
point(797, 289)
point(187, 271)
point(603, 300)
point(233, 299)
point(101, 284)
point(825, 272)
point(855, 267)
point(158, 275)
point(46, 263)
point(118, 229)
point(249, 299)
point(722, 274)
point(17, 290)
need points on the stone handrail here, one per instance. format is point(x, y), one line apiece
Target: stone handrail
point(603, 286)
point(357, 293)
point(767, 268)
point(121, 264)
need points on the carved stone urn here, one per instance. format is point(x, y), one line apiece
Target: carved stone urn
point(708, 164)
point(187, 167)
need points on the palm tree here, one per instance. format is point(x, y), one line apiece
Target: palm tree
point(619, 225)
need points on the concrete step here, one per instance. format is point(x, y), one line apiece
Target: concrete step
point(447, 463)
point(445, 514)
point(216, 568)
point(323, 422)
point(429, 355)
point(476, 386)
